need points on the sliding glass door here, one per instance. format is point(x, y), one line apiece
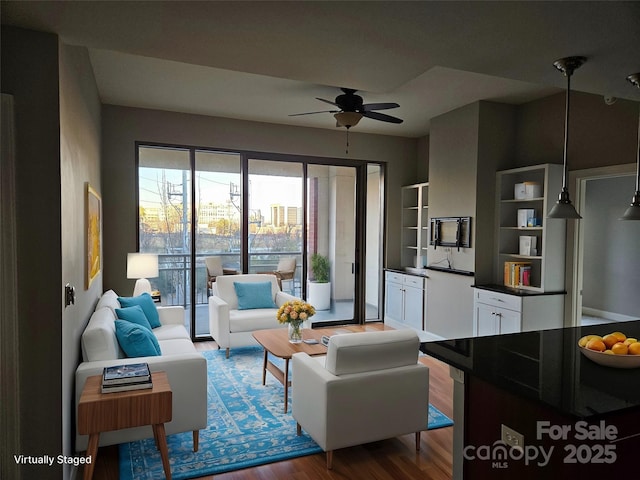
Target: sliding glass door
point(275, 221)
point(218, 224)
point(317, 226)
point(164, 199)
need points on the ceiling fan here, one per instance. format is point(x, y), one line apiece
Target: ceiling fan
point(352, 109)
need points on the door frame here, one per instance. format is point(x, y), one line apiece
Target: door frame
point(575, 235)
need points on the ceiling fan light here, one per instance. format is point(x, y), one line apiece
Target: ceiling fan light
point(347, 119)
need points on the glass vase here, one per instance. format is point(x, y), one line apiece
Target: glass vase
point(295, 332)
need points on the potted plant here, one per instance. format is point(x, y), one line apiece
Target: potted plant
point(319, 292)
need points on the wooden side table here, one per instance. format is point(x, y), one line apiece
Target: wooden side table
point(102, 412)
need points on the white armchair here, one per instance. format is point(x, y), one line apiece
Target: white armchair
point(231, 327)
point(370, 388)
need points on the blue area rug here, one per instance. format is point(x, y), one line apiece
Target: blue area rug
point(247, 425)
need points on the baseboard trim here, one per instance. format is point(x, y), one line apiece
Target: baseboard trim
point(615, 317)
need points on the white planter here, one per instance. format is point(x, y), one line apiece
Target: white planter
point(319, 295)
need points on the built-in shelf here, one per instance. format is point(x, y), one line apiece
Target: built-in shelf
point(415, 227)
point(547, 265)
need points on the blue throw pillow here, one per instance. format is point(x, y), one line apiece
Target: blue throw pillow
point(134, 315)
point(148, 307)
point(135, 340)
point(254, 295)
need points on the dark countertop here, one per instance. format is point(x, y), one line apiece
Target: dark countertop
point(547, 366)
point(453, 271)
point(521, 292)
point(424, 272)
point(416, 272)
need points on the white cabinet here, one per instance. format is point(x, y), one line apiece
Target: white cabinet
point(522, 190)
point(499, 313)
point(492, 320)
point(405, 297)
point(415, 225)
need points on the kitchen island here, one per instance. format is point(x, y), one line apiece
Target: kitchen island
point(571, 417)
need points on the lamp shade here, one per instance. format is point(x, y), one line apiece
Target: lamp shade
point(142, 265)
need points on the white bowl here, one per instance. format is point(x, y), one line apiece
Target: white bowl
point(608, 360)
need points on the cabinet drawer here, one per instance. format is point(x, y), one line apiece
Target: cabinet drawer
point(496, 299)
point(394, 277)
point(413, 281)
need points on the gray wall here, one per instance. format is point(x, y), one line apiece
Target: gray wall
point(58, 151)
point(422, 161)
point(600, 134)
point(611, 248)
point(30, 73)
point(123, 126)
point(79, 165)
point(467, 147)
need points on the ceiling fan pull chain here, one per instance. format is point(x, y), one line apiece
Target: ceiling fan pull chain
point(347, 151)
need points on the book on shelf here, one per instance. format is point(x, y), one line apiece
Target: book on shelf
point(517, 274)
point(122, 374)
point(124, 387)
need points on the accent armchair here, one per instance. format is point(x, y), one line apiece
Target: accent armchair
point(215, 269)
point(231, 323)
point(370, 388)
point(285, 271)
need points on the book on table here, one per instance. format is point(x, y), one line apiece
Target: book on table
point(124, 387)
point(123, 374)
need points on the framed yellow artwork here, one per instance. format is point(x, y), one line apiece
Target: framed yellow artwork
point(94, 221)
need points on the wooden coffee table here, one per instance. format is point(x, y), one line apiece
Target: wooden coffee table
point(276, 342)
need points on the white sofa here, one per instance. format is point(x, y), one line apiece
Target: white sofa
point(186, 370)
point(370, 387)
point(231, 327)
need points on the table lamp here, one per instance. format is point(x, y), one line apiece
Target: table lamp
point(141, 266)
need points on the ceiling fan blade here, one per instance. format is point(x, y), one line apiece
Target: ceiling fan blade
point(327, 101)
point(311, 113)
point(367, 107)
point(382, 117)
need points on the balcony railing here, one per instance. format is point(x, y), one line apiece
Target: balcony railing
point(174, 277)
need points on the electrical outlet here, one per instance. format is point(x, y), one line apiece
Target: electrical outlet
point(512, 438)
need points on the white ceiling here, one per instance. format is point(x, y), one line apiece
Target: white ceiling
point(263, 61)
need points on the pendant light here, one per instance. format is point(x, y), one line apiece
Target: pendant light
point(563, 207)
point(633, 212)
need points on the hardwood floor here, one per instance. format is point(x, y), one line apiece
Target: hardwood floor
point(392, 459)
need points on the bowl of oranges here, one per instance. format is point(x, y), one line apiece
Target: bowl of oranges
point(611, 350)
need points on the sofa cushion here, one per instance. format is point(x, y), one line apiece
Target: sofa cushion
point(134, 315)
point(253, 295)
point(148, 307)
point(167, 332)
point(109, 299)
point(177, 346)
point(251, 320)
point(369, 351)
point(136, 341)
point(99, 340)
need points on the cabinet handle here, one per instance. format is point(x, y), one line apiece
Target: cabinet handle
point(497, 299)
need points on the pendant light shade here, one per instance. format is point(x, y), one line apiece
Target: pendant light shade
point(563, 207)
point(633, 212)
